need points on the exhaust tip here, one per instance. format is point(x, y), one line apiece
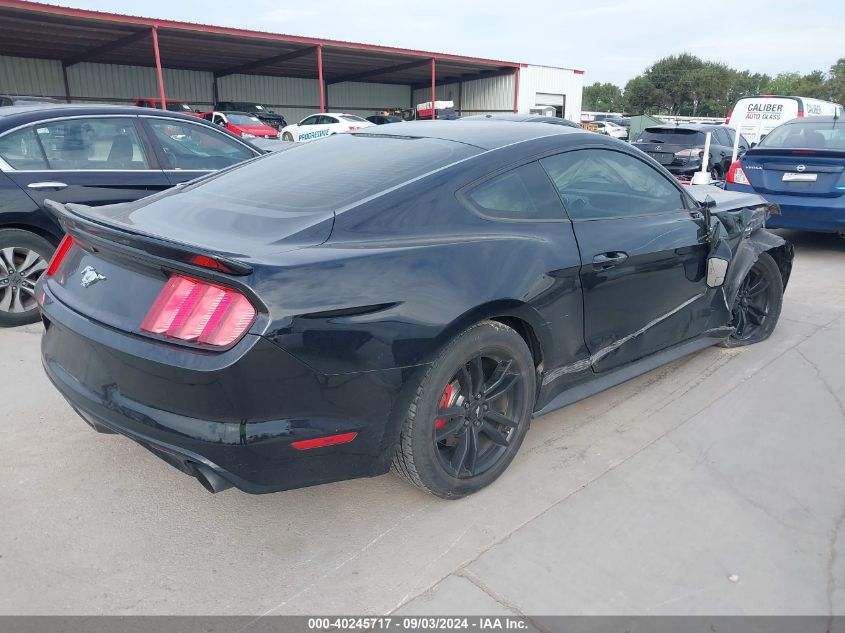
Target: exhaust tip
point(209, 479)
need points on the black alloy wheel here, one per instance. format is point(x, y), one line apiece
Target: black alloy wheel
point(475, 420)
point(758, 303)
point(471, 412)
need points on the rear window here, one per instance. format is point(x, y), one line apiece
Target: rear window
point(806, 136)
point(353, 118)
point(334, 173)
point(689, 138)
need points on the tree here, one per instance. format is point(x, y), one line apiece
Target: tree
point(836, 81)
point(783, 84)
point(600, 97)
point(641, 97)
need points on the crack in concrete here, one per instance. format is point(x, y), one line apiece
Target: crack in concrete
point(475, 580)
point(824, 382)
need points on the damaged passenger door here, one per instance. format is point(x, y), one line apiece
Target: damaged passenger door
point(643, 252)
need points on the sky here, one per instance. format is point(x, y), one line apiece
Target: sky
point(613, 41)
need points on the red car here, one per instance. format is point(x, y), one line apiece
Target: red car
point(173, 105)
point(242, 124)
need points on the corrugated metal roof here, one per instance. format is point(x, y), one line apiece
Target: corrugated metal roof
point(78, 35)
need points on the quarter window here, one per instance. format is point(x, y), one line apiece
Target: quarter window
point(190, 146)
point(20, 149)
point(524, 193)
point(84, 144)
point(598, 183)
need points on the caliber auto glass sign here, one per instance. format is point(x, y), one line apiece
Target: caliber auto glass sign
point(764, 111)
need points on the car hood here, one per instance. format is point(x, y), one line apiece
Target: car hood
point(224, 226)
point(257, 130)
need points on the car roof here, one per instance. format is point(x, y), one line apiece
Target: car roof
point(828, 118)
point(12, 116)
point(697, 127)
point(482, 134)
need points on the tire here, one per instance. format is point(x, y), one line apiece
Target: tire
point(715, 173)
point(481, 436)
point(758, 304)
point(24, 257)
point(287, 136)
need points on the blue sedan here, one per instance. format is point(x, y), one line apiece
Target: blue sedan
point(800, 165)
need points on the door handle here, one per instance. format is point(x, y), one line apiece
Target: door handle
point(47, 185)
point(603, 261)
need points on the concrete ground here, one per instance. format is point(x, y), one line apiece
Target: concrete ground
point(715, 485)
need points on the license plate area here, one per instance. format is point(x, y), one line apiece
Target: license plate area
point(798, 177)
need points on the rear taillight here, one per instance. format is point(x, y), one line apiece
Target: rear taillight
point(199, 312)
point(728, 118)
point(690, 153)
point(736, 176)
point(64, 246)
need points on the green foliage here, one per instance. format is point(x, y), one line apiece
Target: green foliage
point(602, 98)
point(686, 85)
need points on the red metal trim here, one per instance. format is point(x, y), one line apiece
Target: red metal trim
point(433, 88)
point(320, 78)
point(515, 90)
point(116, 18)
point(159, 75)
point(578, 72)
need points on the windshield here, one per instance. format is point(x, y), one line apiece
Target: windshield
point(806, 136)
point(688, 138)
point(243, 119)
point(353, 118)
point(178, 106)
point(331, 174)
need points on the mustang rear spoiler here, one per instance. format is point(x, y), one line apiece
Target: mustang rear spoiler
point(73, 221)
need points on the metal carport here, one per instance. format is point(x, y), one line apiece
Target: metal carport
point(73, 36)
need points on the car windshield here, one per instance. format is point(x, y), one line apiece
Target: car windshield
point(353, 118)
point(331, 174)
point(688, 138)
point(244, 119)
point(178, 106)
point(810, 135)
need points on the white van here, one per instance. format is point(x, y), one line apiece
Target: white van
point(755, 117)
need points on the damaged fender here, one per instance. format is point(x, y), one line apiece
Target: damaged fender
point(744, 232)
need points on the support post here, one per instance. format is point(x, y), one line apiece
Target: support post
point(320, 78)
point(516, 90)
point(433, 85)
point(461, 98)
point(67, 83)
point(159, 75)
point(215, 92)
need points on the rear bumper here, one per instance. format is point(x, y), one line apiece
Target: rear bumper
point(235, 413)
point(822, 215)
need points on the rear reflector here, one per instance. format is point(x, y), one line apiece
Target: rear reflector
point(329, 440)
point(199, 312)
point(736, 175)
point(59, 255)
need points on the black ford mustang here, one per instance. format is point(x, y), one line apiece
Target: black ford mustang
point(274, 335)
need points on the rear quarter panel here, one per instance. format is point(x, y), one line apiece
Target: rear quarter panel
point(405, 273)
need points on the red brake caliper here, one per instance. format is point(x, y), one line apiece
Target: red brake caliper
point(445, 401)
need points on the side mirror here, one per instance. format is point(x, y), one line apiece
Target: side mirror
point(718, 262)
